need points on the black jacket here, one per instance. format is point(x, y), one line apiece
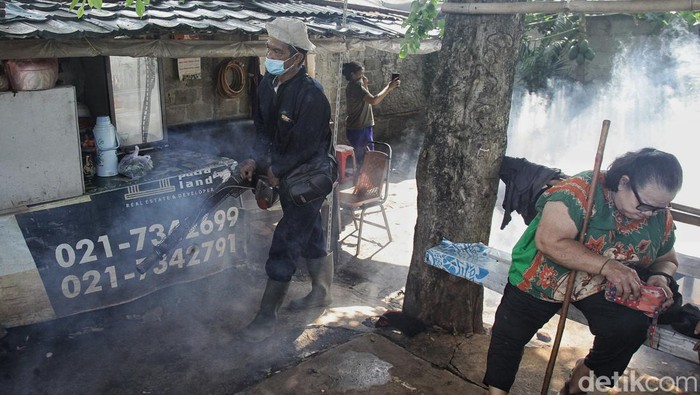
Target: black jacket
point(292, 124)
point(525, 181)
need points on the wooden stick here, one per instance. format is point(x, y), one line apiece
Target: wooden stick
point(572, 274)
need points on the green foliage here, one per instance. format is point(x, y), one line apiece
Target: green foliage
point(688, 19)
point(553, 42)
point(83, 3)
point(550, 43)
point(140, 6)
point(421, 21)
point(543, 53)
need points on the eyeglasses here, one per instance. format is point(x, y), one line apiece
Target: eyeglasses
point(642, 207)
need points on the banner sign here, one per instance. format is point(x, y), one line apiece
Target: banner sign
point(86, 252)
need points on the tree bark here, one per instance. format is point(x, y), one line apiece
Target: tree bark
point(457, 170)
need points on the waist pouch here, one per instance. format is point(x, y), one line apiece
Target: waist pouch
point(311, 181)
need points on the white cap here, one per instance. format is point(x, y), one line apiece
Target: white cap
point(290, 31)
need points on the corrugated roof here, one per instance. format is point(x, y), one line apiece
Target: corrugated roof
point(52, 19)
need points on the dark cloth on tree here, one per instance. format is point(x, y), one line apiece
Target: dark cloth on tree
point(408, 325)
point(525, 181)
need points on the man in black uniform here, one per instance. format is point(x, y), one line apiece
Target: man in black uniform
point(292, 128)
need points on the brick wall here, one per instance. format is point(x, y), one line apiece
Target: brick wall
point(195, 101)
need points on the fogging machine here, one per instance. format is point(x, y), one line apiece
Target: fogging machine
point(234, 186)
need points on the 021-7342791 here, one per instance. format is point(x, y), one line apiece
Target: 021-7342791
point(195, 254)
point(86, 251)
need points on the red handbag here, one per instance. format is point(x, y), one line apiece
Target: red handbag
point(650, 299)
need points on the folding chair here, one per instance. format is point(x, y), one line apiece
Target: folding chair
point(371, 190)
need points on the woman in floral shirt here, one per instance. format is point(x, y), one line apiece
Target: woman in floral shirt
point(630, 237)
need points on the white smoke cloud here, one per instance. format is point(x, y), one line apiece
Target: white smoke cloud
point(652, 99)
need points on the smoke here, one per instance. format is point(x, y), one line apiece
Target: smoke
point(407, 148)
point(651, 99)
point(229, 138)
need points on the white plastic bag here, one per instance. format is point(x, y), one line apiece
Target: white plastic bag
point(135, 166)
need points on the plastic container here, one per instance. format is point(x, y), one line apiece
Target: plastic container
point(32, 74)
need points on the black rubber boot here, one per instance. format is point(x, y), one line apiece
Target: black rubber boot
point(263, 325)
point(321, 271)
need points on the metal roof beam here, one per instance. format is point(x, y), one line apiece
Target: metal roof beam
point(167, 48)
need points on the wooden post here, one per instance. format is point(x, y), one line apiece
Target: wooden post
point(573, 6)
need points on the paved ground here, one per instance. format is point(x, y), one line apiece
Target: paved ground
point(182, 339)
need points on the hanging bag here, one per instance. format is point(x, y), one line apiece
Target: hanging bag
point(312, 181)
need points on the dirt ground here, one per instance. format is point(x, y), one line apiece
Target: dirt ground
point(182, 339)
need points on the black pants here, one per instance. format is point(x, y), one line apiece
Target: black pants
point(619, 332)
point(298, 234)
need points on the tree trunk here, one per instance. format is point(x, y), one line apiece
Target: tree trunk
point(457, 171)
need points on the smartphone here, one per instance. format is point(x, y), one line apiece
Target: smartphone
point(395, 76)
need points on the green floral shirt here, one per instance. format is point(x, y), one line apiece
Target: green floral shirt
point(610, 233)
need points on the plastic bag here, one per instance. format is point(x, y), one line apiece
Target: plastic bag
point(135, 166)
point(32, 74)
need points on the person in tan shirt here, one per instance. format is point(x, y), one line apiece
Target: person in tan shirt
point(360, 118)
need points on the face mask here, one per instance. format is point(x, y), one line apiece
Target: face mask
point(276, 67)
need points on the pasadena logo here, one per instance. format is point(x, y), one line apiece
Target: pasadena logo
point(633, 382)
